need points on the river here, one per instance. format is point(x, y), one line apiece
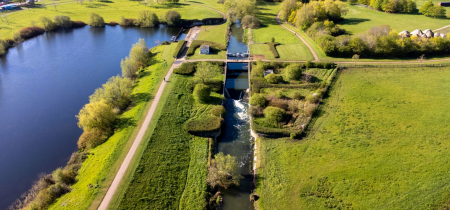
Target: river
point(44, 82)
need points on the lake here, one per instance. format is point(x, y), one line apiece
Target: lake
point(44, 82)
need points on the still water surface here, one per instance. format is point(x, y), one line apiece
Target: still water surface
point(44, 82)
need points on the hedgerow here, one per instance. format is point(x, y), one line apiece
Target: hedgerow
point(203, 125)
point(273, 49)
point(197, 43)
point(178, 49)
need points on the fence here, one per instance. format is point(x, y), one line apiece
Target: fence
point(349, 65)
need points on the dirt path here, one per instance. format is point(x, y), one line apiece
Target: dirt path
point(316, 58)
point(137, 141)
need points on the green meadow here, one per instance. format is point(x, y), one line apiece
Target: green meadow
point(379, 140)
point(109, 10)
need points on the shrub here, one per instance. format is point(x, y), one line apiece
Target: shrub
point(309, 110)
point(273, 49)
point(298, 95)
point(96, 20)
point(204, 126)
point(292, 135)
point(273, 78)
point(312, 98)
point(218, 111)
point(197, 43)
point(249, 21)
point(280, 94)
point(31, 31)
point(146, 19)
point(77, 158)
point(17, 37)
point(280, 103)
point(274, 114)
point(165, 42)
point(61, 177)
point(258, 99)
point(172, 17)
point(185, 69)
point(78, 24)
point(139, 53)
point(62, 21)
point(257, 71)
point(255, 111)
point(112, 23)
point(202, 93)
point(223, 171)
point(178, 49)
point(294, 72)
point(48, 24)
point(91, 139)
point(126, 22)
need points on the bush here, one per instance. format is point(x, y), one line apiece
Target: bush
point(116, 91)
point(62, 21)
point(202, 93)
point(197, 43)
point(62, 177)
point(48, 24)
point(258, 99)
point(274, 114)
point(78, 24)
point(129, 68)
point(273, 78)
point(309, 110)
point(146, 19)
point(273, 49)
point(126, 22)
point(280, 94)
point(298, 95)
point(31, 31)
point(218, 111)
point(91, 139)
point(2, 48)
point(280, 103)
point(96, 20)
point(113, 23)
point(294, 72)
point(312, 98)
point(172, 17)
point(257, 71)
point(98, 115)
point(203, 126)
point(186, 69)
point(250, 22)
point(178, 49)
point(292, 135)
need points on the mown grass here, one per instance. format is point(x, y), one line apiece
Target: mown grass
point(360, 19)
point(211, 3)
point(213, 34)
point(379, 141)
point(294, 52)
point(110, 10)
point(172, 170)
point(103, 162)
point(261, 49)
point(213, 54)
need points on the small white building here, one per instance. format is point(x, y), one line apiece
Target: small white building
point(204, 49)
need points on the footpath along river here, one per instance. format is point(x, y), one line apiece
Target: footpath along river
point(44, 82)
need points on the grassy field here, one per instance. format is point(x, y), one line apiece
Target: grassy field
point(294, 52)
point(110, 10)
point(103, 162)
point(360, 19)
point(211, 3)
point(212, 55)
point(379, 142)
point(213, 34)
point(261, 49)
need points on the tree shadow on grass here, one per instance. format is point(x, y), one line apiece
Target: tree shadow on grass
point(123, 122)
point(353, 21)
point(197, 2)
point(141, 97)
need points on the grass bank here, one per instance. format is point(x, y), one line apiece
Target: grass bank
point(109, 10)
point(100, 167)
point(379, 141)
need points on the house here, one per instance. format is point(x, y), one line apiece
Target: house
point(204, 49)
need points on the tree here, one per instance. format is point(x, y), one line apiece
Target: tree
point(48, 24)
point(218, 111)
point(258, 99)
point(98, 115)
point(273, 78)
point(355, 57)
point(274, 114)
point(231, 15)
point(129, 68)
point(202, 93)
point(257, 71)
point(391, 6)
point(286, 7)
point(294, 72)
point(172, 17)
point(91, 138)
point(436, 11)
point(96, 20)
point(224, 171)
point(206, 70)
point(139, 52)
point(424, 8)
point(250, 22)
point(421, 58)
point(62, 21)
point(117, 92)
point(146, 19)
point(245, 7)
point(228, 4)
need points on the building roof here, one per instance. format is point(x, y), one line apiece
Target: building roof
point(204, 47)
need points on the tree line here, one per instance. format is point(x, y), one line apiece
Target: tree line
point(243, 10)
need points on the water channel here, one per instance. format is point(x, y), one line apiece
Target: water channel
point(236, 139)
point(44, 82)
